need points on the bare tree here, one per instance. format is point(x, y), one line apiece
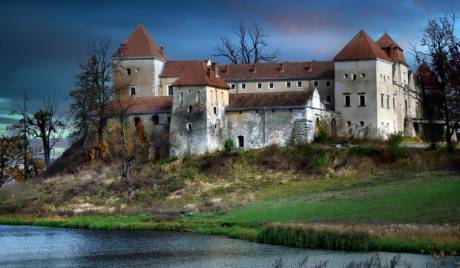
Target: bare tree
point(47, 126)
point(250, 47)
point(21, 131)
point(93, 92)
point(439, 52)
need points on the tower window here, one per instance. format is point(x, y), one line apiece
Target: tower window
point(170, 90)
point(288, 84)
point(381, 101)
point(271, 85)
point(363, 75)
point(388, 102)
point(362, 100)
point(345, 76)
point(241, 141)
point(189, 109)
point(394, 104)
point(348, 123)
point(328, 83)
point(155, 119)
point(188, 127)
point(128, 71)
point(299, 83)
point(316, 83)
point(347, 100)
point(132, 91)
point(215, 110)
point(361, 123)
point(259, 85)
point(328, 98)
point(354, 76)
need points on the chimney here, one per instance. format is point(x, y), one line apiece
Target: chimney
point(215, 69)
point(311, 65)
point(281, 67)
point(253, 69)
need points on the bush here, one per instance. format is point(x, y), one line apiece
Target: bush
point(229, 145)
point(167, 160)
point(394, 140)
point(363, 151)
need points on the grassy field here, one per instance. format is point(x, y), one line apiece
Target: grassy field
point(428, 197)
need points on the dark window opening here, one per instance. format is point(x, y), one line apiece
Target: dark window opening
point(189, 109)
point(259, 85)
point(170, 90)
point(361, 123)
point(188, 126)
point(133, 91)
point(155, 119)
point(128, 71)
point(299, 84)
point(288, 84)
point(273, 110)
point(328, 98)
point(137, 121)
point(328, 83)
point(363, 75)
point(169, 119)
point(271, 85)
point(355, 76)
point(388, 102)
point(362, 100)
point(381, 101)
point(347, 101)
point(348, 123)
point(394, 104)
point(316, 83)
point(232, 86)
point(215, 110)
point(241, 141)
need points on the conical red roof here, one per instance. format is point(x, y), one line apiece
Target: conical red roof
point(199, 74)
point(361, 47)
point(391, 48)
point(140, 44)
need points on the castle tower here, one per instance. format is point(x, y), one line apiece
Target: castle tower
point(364, 86)
point(198, 112)
point(138, 64)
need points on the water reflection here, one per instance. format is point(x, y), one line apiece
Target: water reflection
point(30, 246)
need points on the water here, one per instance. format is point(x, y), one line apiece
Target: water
point(32, 246)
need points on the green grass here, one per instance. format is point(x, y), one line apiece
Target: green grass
point(426, 198)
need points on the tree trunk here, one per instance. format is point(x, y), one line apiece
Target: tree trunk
point(126, 176)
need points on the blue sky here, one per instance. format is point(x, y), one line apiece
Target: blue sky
point(42, 42)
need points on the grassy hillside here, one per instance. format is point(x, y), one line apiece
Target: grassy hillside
point(361, 198)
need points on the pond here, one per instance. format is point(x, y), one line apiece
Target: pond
point(33, 246)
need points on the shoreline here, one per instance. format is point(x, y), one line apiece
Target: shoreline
point(313, 236)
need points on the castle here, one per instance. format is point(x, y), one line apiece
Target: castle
point(193, 107)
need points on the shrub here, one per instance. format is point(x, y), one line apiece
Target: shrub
point(167, 160)
point(229, 145)
point(363, 151)
point(394, 140)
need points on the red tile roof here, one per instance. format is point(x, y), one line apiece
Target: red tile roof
point(200, 74)
point(140, 44)
point(267, 100)
point(274, 71)
point(140, 105)
point(391, 48)
point(361, 47)
point(175, 68)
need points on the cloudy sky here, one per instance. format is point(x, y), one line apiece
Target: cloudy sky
point(42, 42)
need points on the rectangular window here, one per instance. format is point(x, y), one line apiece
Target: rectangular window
point(170, 90)
point(188, 127)
point(328, 83)
point(347, 100)
point(132, 91)
point(243, 86)
point(299, 83)
point(288, 84)
point(328, 98)
point(388, 102)
point(362, 100)
point(271, 85)
point(345, 76)
point(241, 141)
point(232, 86)
point(316, 83)
point(382, 101)
point(259, 85)
point(354, 77)
point(394, 104)
point(128, 71)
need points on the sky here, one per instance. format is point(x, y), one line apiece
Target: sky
point(43, 42)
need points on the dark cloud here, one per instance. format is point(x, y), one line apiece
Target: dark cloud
point(42, 42)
